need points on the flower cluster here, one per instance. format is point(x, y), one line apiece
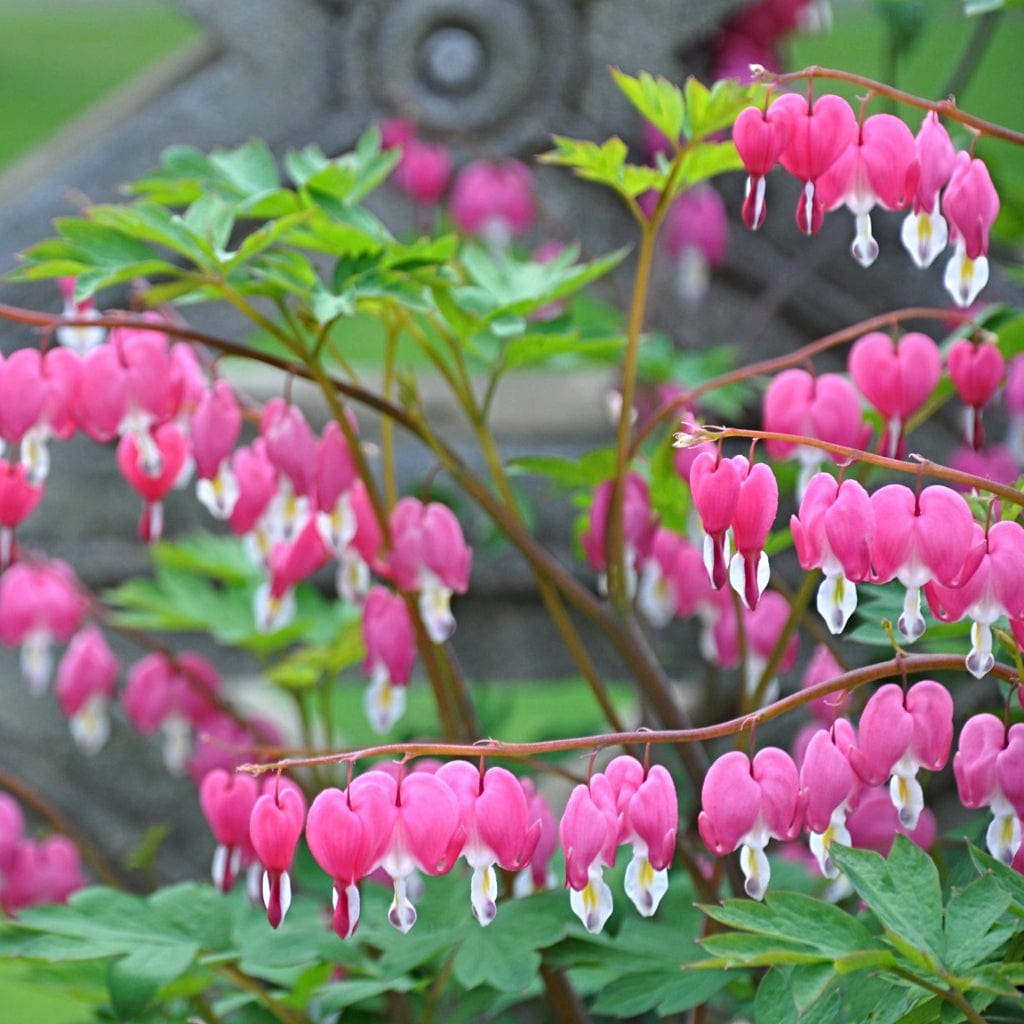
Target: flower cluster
point(876, 162)
point(858, 786)
point(395, 824)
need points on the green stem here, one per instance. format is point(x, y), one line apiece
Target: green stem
point(618, 592)
point(549, 595)
point(797, 608)
point(387, 426)
point(951, 995)
point(284, 1014)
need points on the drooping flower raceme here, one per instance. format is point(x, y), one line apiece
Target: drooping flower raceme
point(648, 811)
point(227, 801)
point(976, 371)
point(994, 588)
point(390, 641)
point(86, 679)
point(429, 555)
point(825, 407)
point(832, 788)
point(589, 835)
point(760, 137)
point(347, 833)
point(880, 166)
point(819, 133)
point(896, 377)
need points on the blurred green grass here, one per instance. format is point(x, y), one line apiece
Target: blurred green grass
point(58, 57)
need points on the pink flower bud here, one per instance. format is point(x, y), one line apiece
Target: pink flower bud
point(227, 801)
point(275, 826)
point(494, 200)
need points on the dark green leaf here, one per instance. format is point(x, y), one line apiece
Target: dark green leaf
point(903, 891)
point(1009, 880)
point(135, 979)
point(340, 995)
point(971, 915)
point(504, 954)
point(798, 919)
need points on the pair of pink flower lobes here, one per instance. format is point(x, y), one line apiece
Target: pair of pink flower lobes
point(875, 163)
point(31, 872)
point(748, 802)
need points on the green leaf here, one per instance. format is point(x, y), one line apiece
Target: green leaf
point(605, 163)
point(795, 918)
point(1010, 881)
point(742, 949)
point(208, 554)
point(210, 220)
point(100, 246)
point(710, 110)
point(135, 979)
point(667, 991)
point(340, 995)
point(704, 160)
point(971, 915)
point(307, 666)
point(505, 954)
point(151, 222)
point(656, 99)
point(249, 170)
point(587, 471)
point(903, 892)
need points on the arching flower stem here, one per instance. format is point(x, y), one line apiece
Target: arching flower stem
point(910, 664)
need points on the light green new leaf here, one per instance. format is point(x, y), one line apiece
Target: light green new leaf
point(711, 110)
point(605, 164)
point(656, 99)
point(588, 471)
point(250, 170)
